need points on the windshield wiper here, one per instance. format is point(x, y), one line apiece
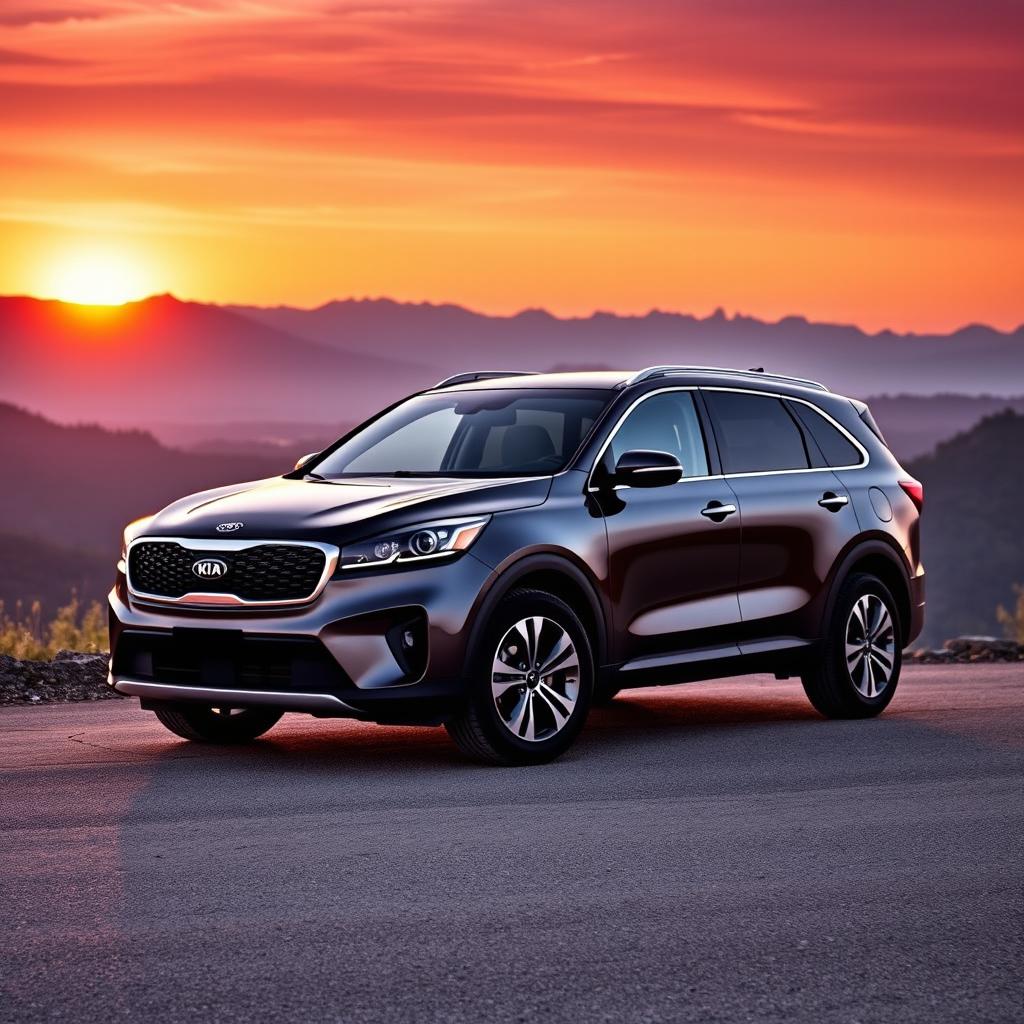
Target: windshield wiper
point(412, 472)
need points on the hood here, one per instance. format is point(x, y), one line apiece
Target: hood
point(337, 510)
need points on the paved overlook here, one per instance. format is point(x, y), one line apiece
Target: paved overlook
point(711, 852)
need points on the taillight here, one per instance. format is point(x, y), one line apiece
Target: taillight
point(914, 491)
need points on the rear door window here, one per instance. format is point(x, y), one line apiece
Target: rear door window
point(756, 433)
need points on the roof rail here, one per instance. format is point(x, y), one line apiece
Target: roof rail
point(466, 378)
point(670, 371)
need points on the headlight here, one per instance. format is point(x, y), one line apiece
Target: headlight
point(134, 529)
point(417, 544)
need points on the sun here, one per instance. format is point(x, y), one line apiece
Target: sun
point(96, 276)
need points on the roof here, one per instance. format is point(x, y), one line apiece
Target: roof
point(618, 379)
point(597, 379)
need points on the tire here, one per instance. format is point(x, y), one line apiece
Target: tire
point(515, 715)
point(204, 724)
point(844, 683)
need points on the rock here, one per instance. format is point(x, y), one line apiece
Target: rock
point(71, 676)
point(81, 657)
point(982, 645)
point(974, 649)
point(932, 656)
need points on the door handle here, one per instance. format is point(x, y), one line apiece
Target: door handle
point(832, 501)
point(717, 511)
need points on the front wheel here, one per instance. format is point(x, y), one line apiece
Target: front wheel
point(859, 665)
point(531, 686)
point(203, 724)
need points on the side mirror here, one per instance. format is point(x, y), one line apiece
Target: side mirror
point(305, 459)
point(640, 468)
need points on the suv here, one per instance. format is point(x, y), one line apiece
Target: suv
point(505, 550)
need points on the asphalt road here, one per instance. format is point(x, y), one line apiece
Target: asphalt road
point(712, 852)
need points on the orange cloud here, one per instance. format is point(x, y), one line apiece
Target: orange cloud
point(860, 162)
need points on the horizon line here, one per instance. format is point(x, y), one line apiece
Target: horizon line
point(719, 313)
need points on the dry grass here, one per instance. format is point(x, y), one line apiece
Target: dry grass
point(74, 628)
point(1012, 620)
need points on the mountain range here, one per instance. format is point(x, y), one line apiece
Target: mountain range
point(246, 390)
point(164, 364)
point(975, 359)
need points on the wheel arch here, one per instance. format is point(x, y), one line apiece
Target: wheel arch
point(879, 558)
point(556, 575)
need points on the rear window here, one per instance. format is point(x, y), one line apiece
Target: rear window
point(756, 433)
point(836, 448)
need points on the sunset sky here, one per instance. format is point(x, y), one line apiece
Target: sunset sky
point(860, 162)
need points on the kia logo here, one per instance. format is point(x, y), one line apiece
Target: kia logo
point(210, 568)
point(229, 527)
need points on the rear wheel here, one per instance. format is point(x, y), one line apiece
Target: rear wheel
point(859, 665)
point(532, 685)
point(204, 724)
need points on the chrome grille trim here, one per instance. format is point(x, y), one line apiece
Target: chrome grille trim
point(199, 599)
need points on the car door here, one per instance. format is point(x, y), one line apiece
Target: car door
point(673, 559)
point(797, 516)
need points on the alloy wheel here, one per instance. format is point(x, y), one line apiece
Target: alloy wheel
point(870, 645)
point(535, 679)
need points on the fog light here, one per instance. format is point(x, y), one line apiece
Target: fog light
point(408, 639)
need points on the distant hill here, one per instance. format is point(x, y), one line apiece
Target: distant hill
point(163, 361)
point(77, 486)
point(914, 424)
point(267, 437)
point(34, 570)
point(973, 360)
point(971, 528)
point(166, 360)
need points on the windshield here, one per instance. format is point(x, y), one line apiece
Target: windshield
point(471, 434)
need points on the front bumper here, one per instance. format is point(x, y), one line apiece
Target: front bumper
point(347, 653)
point(314, 703)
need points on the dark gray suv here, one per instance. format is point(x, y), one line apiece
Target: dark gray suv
point(504, 550)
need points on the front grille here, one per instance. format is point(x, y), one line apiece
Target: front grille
point(228, 659)
point(267, 572)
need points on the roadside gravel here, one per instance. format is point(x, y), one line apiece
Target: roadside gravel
point(71, 676)
point(964, 650)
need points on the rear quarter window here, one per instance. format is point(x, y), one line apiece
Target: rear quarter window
point(837, 449)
